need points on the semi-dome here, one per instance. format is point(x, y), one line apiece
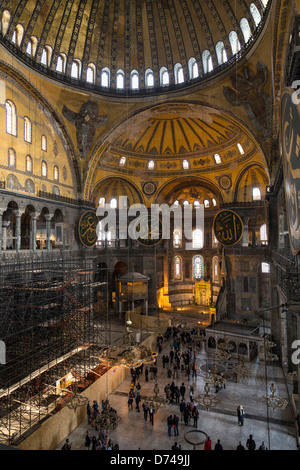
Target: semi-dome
point(130, 46)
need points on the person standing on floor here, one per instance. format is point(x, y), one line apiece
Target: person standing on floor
point(87, 440)
point(151, 413)
point(145, 409)
point(240, 446)
point(218, 445)
point(251, 445)
point(195, 415)
point(207, 445)
point(88, 412)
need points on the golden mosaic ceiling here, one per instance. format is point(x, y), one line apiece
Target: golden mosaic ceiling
point(130, 35)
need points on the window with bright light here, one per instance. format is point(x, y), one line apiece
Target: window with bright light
point(185, 165)
point(217, 158)
point(197, 240)
point(29, 48)
point(164, 76)
point(44, 143)
point(27, 130)
point(29, 164)
point(75, 69)
point(221, 53)
point(90, 74)
point(234, 42)
point(149, 78)
point(151, 165)
point(120, 80)
point(265, 267)
point(122, 161)
point(113, 203)
point(207, 61)
point(241, 150)
point(263, 234)
point(12, 159)
point(105, 77)
point(134, 80)
point(255, 14)
point(177, 238)
point(55, 173)
point(101, 201)
point(11, 118)
point(246, 30)
point(59, 64)
point(198, 271)
point(215, 269)
point(44, 169)
point(256, 194)
point(177, 267)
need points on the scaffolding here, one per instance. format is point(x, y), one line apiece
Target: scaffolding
point(53, 322)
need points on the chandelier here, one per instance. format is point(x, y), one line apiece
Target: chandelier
point(215, 378)
point(223, 350)
point(156, 401)
point(267, 355)
point(242, 369)
point(293, 376)
point(107, 419)
point(206, 400)
point(77, 400)
point(274, 401)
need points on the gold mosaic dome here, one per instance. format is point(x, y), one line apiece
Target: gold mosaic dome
point(131, 46)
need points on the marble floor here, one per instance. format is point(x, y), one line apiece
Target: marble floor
point(275, 428)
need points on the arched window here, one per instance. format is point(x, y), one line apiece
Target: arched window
point(256, 194)
point(198, 272)
point(196, 203)
point(151, 165)
point(177, 237)
point(185, 165)
point(241, 150)
point(113, 203)
point(255, 14)
point(105, 77)
point(245, 27)
point(31, 46)
point(60, 64)
point(265, 3)
point(214, 201)
point(122, 161)
point(265, 268)
point(55, 173)
point(215, 266)
point(12, 159)
point(221, 53)
point(134, 80)
point(27, 130)
point(215, 241)
point(164, 76)
point(234, 42)
point(217, 158)
point(120, 78)
point(90, 73)
point(185, 203)
point(14, 38)
point(18, 35)
point(177, 267)
point(149, 78)
point(5, 22)
point(178, 73)
point(101, 201)
point(44, 169)
point(207, 61)
point(193, 68)
point(197, 239)
point(75, 69)
point(46, 55)
point(28, 164)
point(44, 143)
point(263, 234)
point(206, 203)
point(11, 118)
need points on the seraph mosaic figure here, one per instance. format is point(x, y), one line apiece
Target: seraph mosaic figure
point(86, 122)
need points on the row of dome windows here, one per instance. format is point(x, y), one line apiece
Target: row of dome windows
point(11, 125)
point(12, 163)
point(185, 163)
point(164, 75)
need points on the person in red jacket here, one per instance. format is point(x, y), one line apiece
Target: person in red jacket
point(207, 445)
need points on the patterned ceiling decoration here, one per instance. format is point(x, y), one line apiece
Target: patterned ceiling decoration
point(254, 177)
point(132, 36)
point(115, 187)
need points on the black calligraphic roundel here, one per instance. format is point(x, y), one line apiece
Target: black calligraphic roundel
point(149, 229)
point(228, 227)
point(87, 228)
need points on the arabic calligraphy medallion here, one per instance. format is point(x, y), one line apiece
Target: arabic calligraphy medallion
point(87, 228)
point(228, 227)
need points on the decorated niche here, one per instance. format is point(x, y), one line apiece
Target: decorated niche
point(203, 293)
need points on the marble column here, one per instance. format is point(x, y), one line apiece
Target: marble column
point(5, 224)
point(18, 215)
point(1, 233)
point(48, 218)
point(33, 232)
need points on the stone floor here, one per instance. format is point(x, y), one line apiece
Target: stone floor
point(275, 428)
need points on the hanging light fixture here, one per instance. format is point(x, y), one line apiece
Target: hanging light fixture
point(267, 354)
point(156, 401)
point(242, 369)
point(215, 378)
point(107, 419)
point(206, 400)
point(274, 401)
point(77, 400)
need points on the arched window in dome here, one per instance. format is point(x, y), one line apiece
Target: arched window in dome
point(178, 73)
point(207, 61)
point(61, 63)
point(31, 46)
point(27, 130)
point(221, 53)
point(14, 38)
point(177, 268)
point(44, 143)
point(105, 77)
point(246, 30)
point(214, 202)
point(75, 69)
point(265, 3)
point(193, 68)
point(256, 194)
point(90, 73)
point(149, 78)
point(263, 234)
point(206, 203)
point(28, 48)
point(113, 203)
point(120, 80)
point(255, 14)
point(185, 165)
point(197, 240)
point(55, 173)
point(5, 22)
point(134, 80)
point(28, 164)
point(11, 117)
point(164, 76)
point(151, 165)
point(177, 238)
point(217, 159)
point(241, 150)
point(186, 202)
point(122, 161)
point(198, 271)
point(196, 203)
point(44, 169)
point(234, 42)
point(46, 55)
point(12, 158)
point(18, 35)
point(101, 201)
